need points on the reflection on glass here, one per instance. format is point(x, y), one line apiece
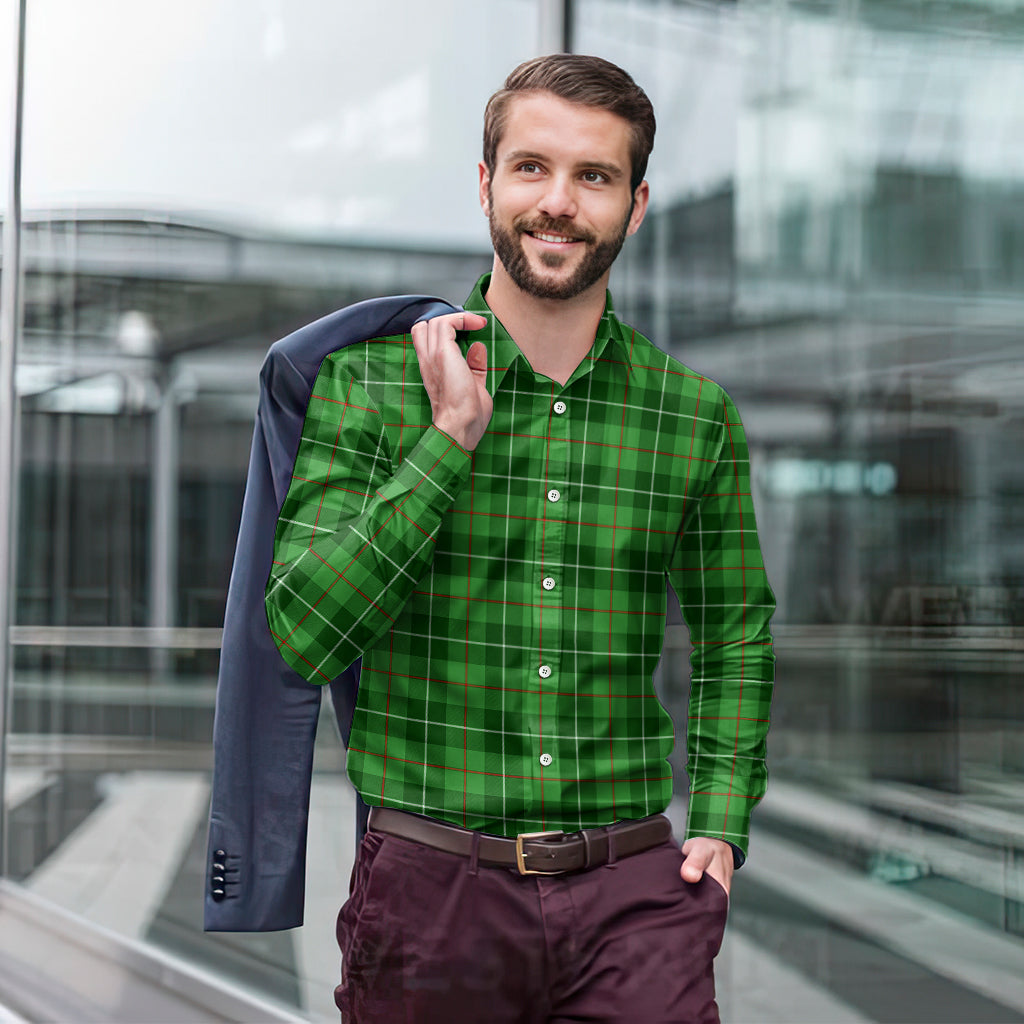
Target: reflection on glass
point(836, 237)
point(200, 179)
point(8, 27)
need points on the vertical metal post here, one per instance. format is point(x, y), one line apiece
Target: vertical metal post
point(163, 549)
point(10, 319)
point(554, 24)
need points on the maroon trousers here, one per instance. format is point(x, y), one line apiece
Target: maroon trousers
point(430, 937)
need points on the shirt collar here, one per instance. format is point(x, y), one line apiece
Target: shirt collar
point(503, 352)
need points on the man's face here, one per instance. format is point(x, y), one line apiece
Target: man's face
point(559, 203)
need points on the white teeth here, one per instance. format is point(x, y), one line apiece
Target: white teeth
point(551, 238)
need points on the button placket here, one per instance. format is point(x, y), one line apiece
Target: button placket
point(555, 510)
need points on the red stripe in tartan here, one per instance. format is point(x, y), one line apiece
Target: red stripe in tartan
point(530, 604)
point(387, 714)
point(579, 441)
point(284, 643)
point(586, 443)
point(509, 775)
point(329, 486)
point(411, 521)
point(526, 690)
point(342, 402)
point(743, 624)
point(564, 522)
point(344, 579)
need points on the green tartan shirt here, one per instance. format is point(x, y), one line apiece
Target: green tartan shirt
point(509, 603)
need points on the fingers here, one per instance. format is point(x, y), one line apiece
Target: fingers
point(432, 337)
point(457, 387)
point(447, 325)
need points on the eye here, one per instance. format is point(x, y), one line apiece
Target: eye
point(594, 177)
point(529, 167)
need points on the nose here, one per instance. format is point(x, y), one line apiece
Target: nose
point(559, 198)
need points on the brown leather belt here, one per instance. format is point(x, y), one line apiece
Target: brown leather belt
point(530, 853)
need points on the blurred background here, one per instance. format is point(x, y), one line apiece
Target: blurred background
point(836, 236)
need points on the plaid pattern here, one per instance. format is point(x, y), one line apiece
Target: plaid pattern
point(509, 604)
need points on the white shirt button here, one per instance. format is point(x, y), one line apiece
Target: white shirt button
point(548, 583)
point(559, 407)
point(554, 495)
point(544, 671)
point(545, 759)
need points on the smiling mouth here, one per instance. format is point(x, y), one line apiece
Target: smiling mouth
point(546, 237)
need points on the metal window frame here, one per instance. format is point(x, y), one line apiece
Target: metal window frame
point(10, 327)
point(555, 19)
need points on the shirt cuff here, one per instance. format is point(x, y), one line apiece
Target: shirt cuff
point(738, 856)
point(720, 816)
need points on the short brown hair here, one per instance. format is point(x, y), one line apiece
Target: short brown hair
point(575, 77)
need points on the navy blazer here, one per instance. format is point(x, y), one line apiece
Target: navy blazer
point(266, 713)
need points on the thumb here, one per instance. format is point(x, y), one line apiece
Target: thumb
point(477, 357)
point(694, 863)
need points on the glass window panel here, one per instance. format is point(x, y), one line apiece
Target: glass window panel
point(200, 179)
point(8, 24)
point(330, 119)
point(835, 236)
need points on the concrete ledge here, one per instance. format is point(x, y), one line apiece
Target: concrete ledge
point(55, 966)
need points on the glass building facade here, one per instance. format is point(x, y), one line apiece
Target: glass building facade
point(836, 235)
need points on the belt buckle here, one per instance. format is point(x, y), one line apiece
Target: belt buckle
point(521, 862)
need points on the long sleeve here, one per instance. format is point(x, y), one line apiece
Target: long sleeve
point(718, 574)
point(355, 533)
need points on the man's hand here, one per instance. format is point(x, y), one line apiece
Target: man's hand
point(457, 387)
point(711, 855)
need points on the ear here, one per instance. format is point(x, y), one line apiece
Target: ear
point(485, 181)
point(640, 199)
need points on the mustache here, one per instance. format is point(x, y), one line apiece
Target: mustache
point(552, 226)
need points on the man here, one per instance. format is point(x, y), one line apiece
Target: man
point(490, 521)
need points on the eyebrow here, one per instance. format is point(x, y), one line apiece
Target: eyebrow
point(613, 171)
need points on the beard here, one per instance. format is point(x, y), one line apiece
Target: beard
point(598, 257)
